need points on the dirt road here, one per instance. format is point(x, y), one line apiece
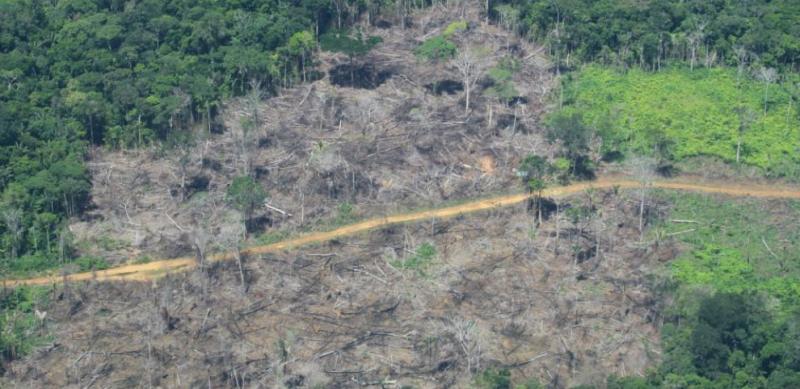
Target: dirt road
point(150, 270)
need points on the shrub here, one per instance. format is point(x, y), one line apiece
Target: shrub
point(454, 27)
point(436, 49)
point(88, 263)
point(420, 261)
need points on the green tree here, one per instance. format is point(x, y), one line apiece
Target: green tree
point(534, 171)
point(493, 379)
point(568, 129)
point(300, 45)
point(746, 118)
point(245, 194)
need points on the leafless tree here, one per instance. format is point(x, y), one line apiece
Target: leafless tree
point(201, 239)
point(768, 76)
point(509, 19)
point(232, 240)
point(249, 126)
point(13, 220)
point(465, 333)
point(185, 157)
point(643, 169)
point(695, 38)
point(742, 58)
point(470, 64)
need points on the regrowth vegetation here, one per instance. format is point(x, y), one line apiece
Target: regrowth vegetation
point(737, 297)
point(441, 47)
point(676, 113)
point(21, 323)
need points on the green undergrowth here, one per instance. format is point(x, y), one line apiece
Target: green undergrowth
point(736, 246)
point(441, 47)
point(271, 237)
point(420, 261)
point(731, 299)
point(678, 113)
point(20, 329)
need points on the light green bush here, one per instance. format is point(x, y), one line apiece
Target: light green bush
point(436, 48)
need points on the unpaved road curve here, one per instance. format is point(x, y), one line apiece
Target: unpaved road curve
point(151, 270)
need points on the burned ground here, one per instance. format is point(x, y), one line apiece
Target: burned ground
point(318, 146)
point(350, 313)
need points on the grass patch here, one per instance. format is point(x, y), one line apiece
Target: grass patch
point(142, 260)
point(345, 214)
point(110, 244)
point(419, 262)
point(685, 113)
point(88, 263)
point(271, 237)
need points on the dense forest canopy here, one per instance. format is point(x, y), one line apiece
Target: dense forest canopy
point(651, 32)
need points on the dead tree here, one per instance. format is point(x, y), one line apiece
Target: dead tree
point(232, 241)
point(465, 333)
point(768, 76)
point(742, 57)
point(249, 126)
point(13, 220)
point(643, 169)
point(201, 238)
point(695, 38)
point(470, 64)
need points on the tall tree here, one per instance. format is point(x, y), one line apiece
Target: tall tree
point(470, 64)
point(245, 194)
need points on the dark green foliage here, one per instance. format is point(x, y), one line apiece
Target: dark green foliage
point(493, 379)
point(651, 33)
point(535, 173)
point(533, 167)
point(352, 44)
point(568, 129)
point(734, 321)
point(91, 263)
point(246, 195)
point(501, 379)
point(732, 340)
